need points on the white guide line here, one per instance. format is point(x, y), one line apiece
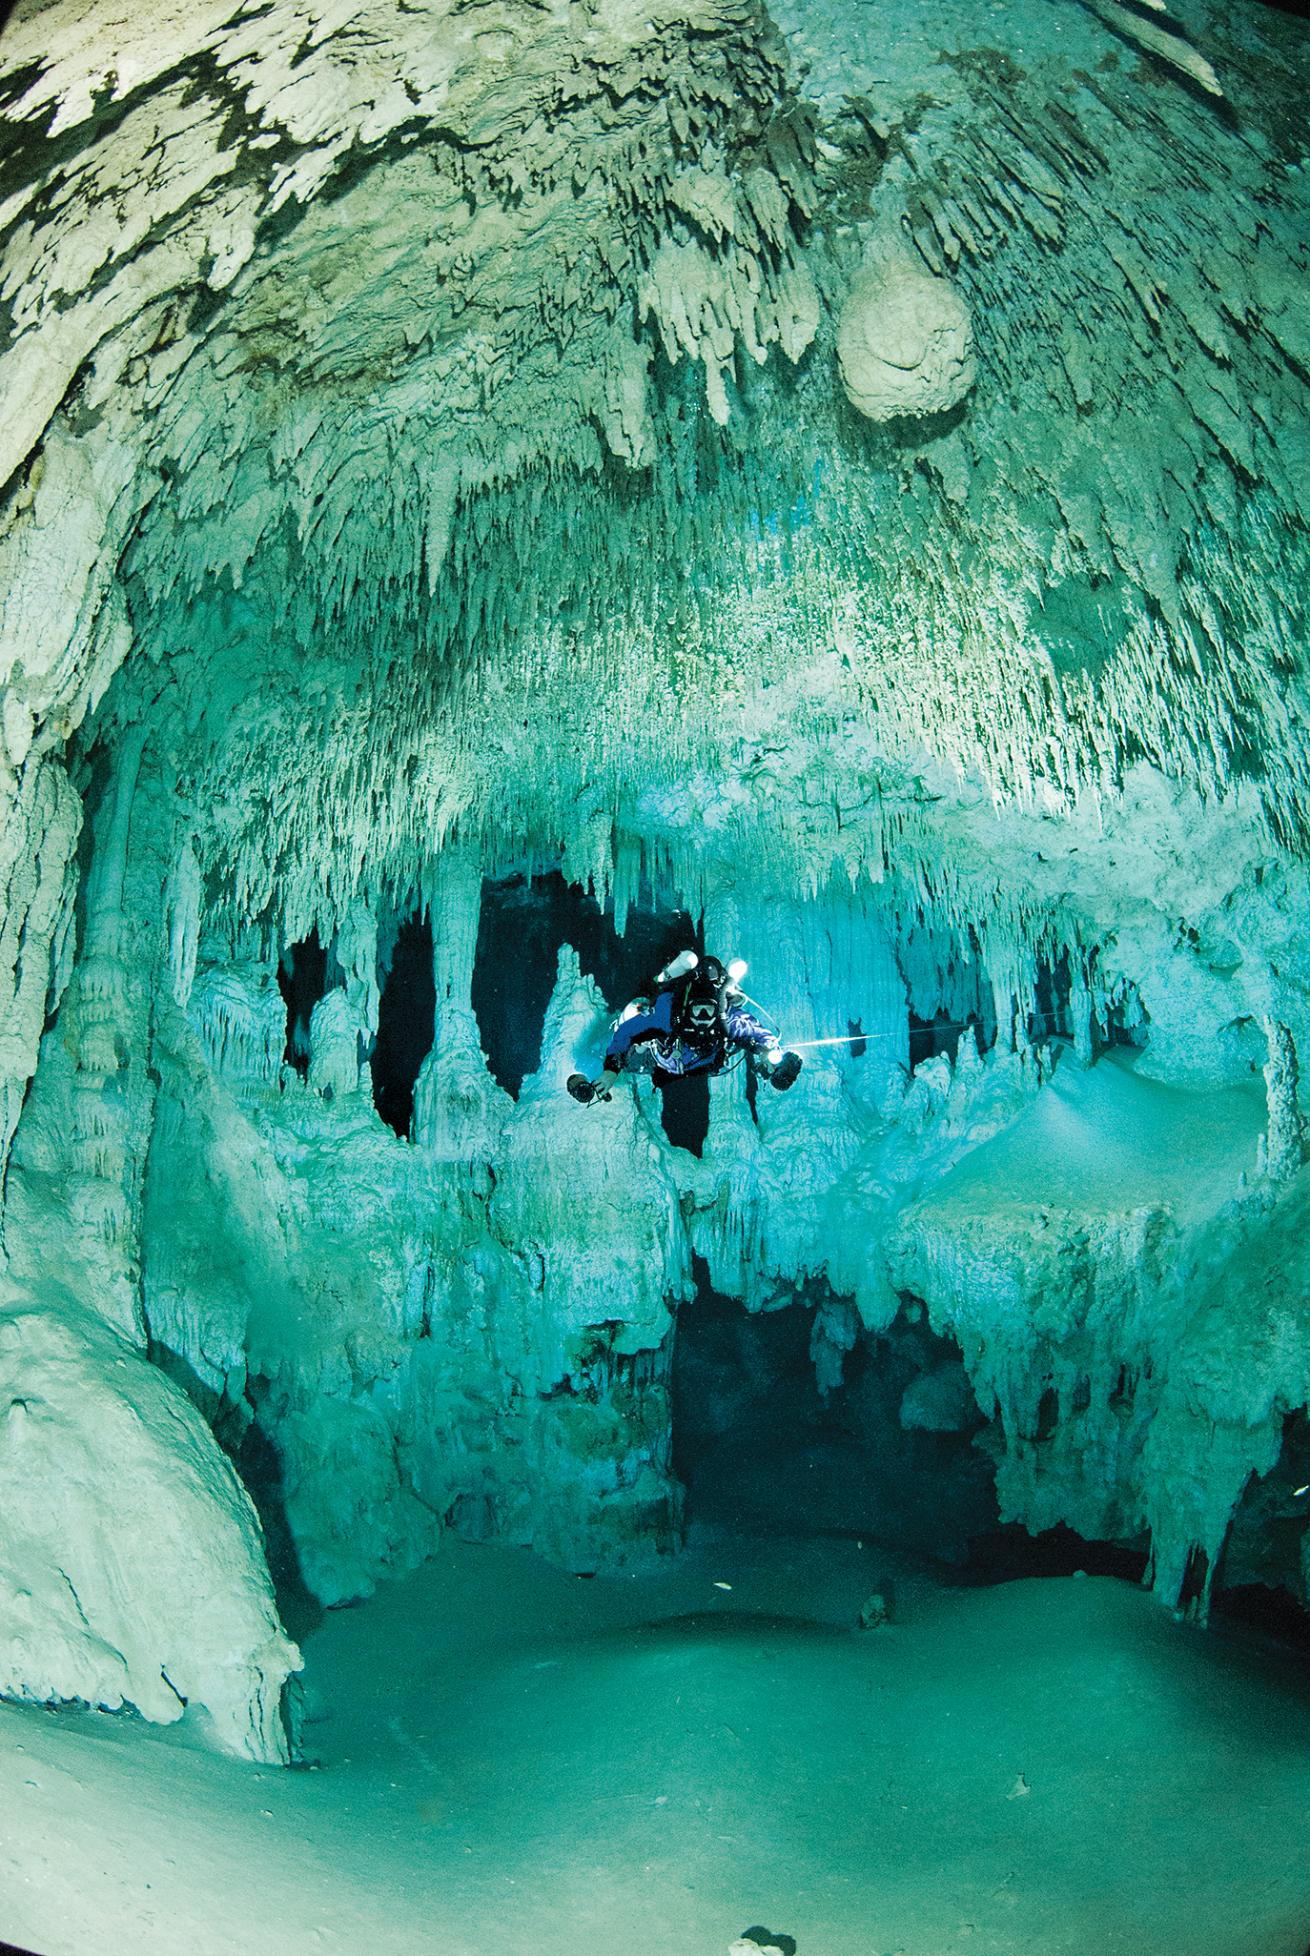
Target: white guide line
point(934, 1025)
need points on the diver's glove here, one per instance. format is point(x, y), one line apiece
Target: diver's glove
point(784, 1073)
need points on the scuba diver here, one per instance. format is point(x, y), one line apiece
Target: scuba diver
point(696, 1022)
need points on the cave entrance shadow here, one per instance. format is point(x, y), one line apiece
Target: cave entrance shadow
point(259, 1468)
point(259, 1464)
point(763, 1450)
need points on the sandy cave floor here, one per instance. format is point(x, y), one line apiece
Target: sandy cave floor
point(512, 1760)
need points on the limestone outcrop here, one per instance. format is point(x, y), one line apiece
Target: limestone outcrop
point(132, 1570)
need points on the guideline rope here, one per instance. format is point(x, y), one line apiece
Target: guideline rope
point(929, 1025)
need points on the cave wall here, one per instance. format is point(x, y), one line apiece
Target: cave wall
point(851, 484)
point(471, 1325)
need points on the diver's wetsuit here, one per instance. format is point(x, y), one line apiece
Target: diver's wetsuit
point(678, 1050)
point(695, 1021)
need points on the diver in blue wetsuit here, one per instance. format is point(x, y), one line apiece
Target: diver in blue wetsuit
point(695, 1022)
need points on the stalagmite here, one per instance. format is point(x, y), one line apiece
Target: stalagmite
point(1284, 1144)
point(133, 1564)
point(1169, 46)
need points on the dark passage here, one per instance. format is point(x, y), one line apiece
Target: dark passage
point(760, 1448)
point(406, 1022)
point(522, 927)
point(1007, 1553)
point(940, 1034)
point(965, 984)
point(302, 981)
point(1259, 1581)
point(896, 1454)
point(1050, 1019)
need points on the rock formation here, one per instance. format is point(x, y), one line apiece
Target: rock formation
point(904, 342)
point(813, 478)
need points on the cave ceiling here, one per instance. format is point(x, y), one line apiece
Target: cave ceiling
point(442, 418)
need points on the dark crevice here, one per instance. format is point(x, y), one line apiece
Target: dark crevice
point(523, 926)
point(259, 1464)
point(406, 1024)
point(1048, 1413)
point(302, 979)
point(235, 1426)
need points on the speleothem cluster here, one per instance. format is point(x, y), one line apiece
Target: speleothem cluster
point(853, 487)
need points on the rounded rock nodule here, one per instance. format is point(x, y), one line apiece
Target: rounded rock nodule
point(904, 343)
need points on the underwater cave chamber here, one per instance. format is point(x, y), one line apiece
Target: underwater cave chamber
point(495, 497)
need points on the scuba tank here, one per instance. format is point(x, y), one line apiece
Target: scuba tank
point(676, 968)
point(696, 983)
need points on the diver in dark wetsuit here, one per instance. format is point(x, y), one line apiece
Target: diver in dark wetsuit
point(695, 1022)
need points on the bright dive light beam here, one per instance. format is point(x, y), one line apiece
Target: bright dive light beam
point(843, 1039)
